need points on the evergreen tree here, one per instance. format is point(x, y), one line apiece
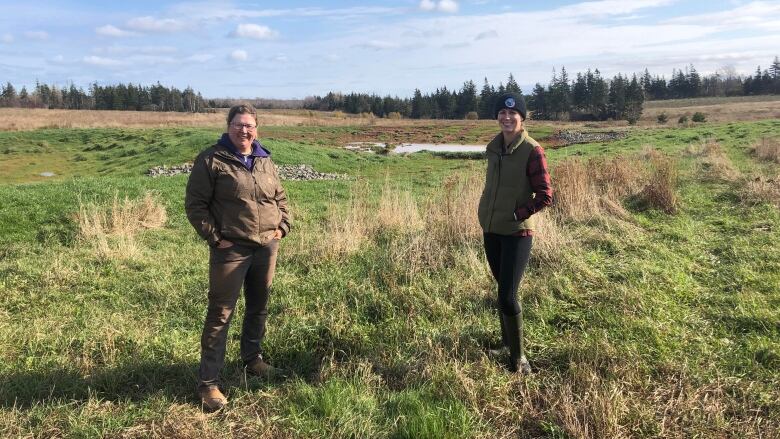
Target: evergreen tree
point(467, 99)
point(8, 96)
point(486, 101)
point(512, 86)
point(538, 102)
point(617, 97)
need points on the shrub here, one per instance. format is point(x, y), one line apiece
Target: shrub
point(472, 115)
point(663, 118)
point(699, 117)
point(394, 115)
point(683, 119)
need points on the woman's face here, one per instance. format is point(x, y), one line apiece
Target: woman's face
point(510, 121)
point(242, 131)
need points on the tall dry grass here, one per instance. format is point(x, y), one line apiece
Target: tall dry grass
point(768, 149)
point(593, 189)
point(712, 163)
point(660, 191)
point(111, 231)
point(24, 119)
point(761, 190)
point(419, 235)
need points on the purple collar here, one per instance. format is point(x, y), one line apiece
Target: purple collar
point(258, 150)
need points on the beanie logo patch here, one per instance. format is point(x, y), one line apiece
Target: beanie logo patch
point(509, 102)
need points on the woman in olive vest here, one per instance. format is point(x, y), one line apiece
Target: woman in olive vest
point(517, 186)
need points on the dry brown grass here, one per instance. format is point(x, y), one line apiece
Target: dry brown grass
point(761, 190)
point(660, 191)
point(112, 231)
point(420, 234)
point(712, 162)
point(594, 189)
point(23, 119)
point(716, 109)
point(768, 149)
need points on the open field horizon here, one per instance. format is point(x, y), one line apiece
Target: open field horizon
point(652, 299)
point(21, 119)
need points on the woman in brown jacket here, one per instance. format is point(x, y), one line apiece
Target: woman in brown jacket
point(517, 186)
point(236, 203)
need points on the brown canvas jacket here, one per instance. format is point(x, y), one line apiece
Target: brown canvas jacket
point(225, 200)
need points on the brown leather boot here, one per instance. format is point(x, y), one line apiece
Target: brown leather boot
point(258, 367)
point(212, 399)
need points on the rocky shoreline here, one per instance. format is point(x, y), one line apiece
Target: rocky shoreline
point(286, 172)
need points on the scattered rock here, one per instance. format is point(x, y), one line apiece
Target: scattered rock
point(286, 172)
point(572, 137)
point(47, 174)
point(166, 171)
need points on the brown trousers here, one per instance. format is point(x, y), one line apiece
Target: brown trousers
point(229, 269)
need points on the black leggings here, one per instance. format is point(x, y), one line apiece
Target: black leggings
point(507, 256)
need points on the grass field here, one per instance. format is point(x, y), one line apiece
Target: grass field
point(652, 300)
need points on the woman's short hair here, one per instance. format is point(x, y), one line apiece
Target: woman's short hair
point(241, 109)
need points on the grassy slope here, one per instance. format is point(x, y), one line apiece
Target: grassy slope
point(677, 319)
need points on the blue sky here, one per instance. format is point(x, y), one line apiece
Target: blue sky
point(289, 49)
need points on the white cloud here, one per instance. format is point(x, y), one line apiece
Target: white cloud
point(112, 31)
point(200, 57)
point(427, 5)
point(450, 6)
point(379, 45)
point(239, 55)
point(101, 61)
point(280, 58)
point(151, 24)
point(761, 15)
point(37, 35)
point(135, 50)
point(608, 8)
point(486, 35)
point(256, 31)
point(7, 38)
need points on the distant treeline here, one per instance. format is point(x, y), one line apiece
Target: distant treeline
point(109, 97)
point(587, 97)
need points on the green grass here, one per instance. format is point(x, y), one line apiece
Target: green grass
point(667, 325)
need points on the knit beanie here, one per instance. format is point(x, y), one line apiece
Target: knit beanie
point(512, 101)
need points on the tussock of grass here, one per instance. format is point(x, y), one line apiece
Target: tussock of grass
point(112, 231)
point(761, 190)
point(768, 149)
point(712, 162)
point(660, 191)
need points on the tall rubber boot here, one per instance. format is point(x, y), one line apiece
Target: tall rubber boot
point(514, 329)
point(504, 337)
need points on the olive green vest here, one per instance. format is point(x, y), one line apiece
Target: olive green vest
point(506, 186)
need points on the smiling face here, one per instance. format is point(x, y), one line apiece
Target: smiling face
point(242, 131)
point(510, 121)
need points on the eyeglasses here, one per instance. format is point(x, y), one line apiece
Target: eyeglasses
point(240, 126)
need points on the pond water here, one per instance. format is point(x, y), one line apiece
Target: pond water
point(417, 147)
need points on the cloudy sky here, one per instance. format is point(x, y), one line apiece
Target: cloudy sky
point(295, 49)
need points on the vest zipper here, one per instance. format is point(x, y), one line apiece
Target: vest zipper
point(497, 179)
